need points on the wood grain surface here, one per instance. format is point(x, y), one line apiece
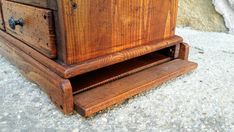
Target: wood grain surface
point(93, 28)
point(58, 89)
point(38, 29)
point(184, 51)
point(117, 71)
point(50, 4)
point(92, 54)
point(89, 102)
point(68, 71)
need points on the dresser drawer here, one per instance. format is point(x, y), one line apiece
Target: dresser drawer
point(50, 4)
point(32, 25)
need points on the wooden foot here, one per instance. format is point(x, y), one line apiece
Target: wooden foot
point(57, 88)
point(184, 51)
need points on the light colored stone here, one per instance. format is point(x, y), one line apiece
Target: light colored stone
point(201, 15)
point(231, 3)
point(226, 9)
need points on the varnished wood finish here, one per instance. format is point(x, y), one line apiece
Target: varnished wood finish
point(121, 56)
point(1, 17)
point(38, 29)
point(57, 88)
point(68, 71)
point(184, 51)
point(51, 64)
point(60, 90)
point(104, 51)
point(92, 101)
point(93, 28)
point(50, 4)
point(117, 71)
point(177, 51)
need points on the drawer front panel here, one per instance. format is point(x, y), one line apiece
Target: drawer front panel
point(50, 4)
point(32, 25)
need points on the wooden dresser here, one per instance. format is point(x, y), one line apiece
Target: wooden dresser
point(88, 55)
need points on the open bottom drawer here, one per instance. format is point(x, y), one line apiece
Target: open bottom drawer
point(96, 99)
point(97, 90)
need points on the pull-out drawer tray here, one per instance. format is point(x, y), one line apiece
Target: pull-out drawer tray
point(101, 97)
point(97, 90)
point(34, 26)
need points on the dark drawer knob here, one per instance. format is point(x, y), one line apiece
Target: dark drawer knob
point(13, 23)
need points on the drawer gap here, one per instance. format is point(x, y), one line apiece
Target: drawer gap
point(108, 74)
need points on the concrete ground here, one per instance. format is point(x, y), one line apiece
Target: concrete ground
point(199, 101)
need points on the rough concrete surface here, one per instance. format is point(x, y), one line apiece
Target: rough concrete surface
point(200, 101)
point(201, 15)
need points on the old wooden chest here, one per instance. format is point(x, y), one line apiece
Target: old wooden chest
point(91, 54)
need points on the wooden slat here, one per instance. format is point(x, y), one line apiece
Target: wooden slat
point(99, 98)
point(38, 29)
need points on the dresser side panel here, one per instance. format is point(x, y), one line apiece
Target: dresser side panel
point(97, 28)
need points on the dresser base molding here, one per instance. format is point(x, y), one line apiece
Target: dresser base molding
point(91, 92)
point(68, 71)
point(58, 89)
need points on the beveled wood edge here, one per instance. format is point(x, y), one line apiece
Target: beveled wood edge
point(160, 60)
point(58, 89)
point(121, 56)
point(68, 105)
point(66, 71)
point(60, 32)
point(184, 51)
point(118, 99)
